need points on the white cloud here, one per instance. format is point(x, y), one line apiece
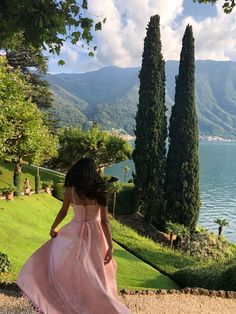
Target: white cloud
point(121, 40)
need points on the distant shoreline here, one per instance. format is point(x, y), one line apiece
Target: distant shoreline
point(202, 138)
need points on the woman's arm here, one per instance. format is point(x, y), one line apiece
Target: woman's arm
point(107, 232)
point(62, 213)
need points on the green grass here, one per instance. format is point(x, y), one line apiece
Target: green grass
point(24, 227)
point(7, 169)
point(161, 257)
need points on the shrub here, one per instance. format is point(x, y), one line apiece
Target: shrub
point(228, 278)
point(48, 184)
point(205, 244)
point(4, 263)
point(218, 276)
point(125, 200)
point(8, 189)
point(58, 191)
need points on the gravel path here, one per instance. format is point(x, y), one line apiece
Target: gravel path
point(11, 303)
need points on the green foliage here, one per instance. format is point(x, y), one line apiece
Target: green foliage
point(151, 127)
point(46, 24)
point(218, 276)
point(125, 200)
point(26, 58)
point(206, 245)
point(228, 278)
point(47, 184)
point(27, 172)
point(182, 173)
point(4, 263)
point(221, 222)
point(31, 233)
point(228, 5)
point(106, 149)
point(8, 189)
point(58, 191)
point(162, 258)
point(17, 181)
point(22, 131)
point(37, 183)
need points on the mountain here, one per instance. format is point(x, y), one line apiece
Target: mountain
point(109, 97)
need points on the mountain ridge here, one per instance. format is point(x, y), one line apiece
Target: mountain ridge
point(109, 96)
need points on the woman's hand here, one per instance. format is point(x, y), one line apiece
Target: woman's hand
point(53, 233)
point(108, 256)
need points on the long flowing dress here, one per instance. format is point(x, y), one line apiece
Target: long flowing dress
point(67, 275)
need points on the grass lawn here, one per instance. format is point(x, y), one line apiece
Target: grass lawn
point(7, 169)
point(24, 226)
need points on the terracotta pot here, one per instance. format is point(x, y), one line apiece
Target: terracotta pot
point(10, 196)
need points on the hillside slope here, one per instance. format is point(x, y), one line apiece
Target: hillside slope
point(24, 227)
point(109, 97)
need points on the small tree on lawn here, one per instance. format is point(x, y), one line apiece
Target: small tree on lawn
point(114, 189)
point(106, 149)
point(21, 127)
point(222, 223)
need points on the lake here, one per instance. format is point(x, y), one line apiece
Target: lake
point(217, 184)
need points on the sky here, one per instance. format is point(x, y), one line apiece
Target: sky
point(120, 43)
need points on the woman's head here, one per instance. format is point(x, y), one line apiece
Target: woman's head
point(83, 176)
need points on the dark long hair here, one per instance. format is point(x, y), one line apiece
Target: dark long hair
point(87, 182)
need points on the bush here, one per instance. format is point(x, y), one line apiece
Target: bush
point(205, 244)
point(216, 277)
point(4, 263)
point(125, 200)
point(58, 191)
point(228, 278)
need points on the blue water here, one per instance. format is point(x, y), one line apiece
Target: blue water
point(217, 184)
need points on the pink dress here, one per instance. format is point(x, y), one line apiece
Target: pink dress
point(67, 274)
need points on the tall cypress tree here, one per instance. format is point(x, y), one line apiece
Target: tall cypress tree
point(151, 131)
point(182, 174)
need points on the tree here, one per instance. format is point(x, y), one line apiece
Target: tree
point(23, 135)
point(227, 6)
point(114, 188)
point(106, 149)
point(222, 223)
point(151, 130)
point(26, 58)
point(46, 24)
point(126, 169)
point(182, 174)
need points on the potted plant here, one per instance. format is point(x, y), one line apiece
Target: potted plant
point(9, 192)
point(47, 185)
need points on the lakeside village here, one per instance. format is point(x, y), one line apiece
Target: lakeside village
point(202, 138)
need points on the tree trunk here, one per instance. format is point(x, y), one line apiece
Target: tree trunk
point(114, 204)
point(17, 178)
point(220, 231)
point(37, 180)
point(171, 240)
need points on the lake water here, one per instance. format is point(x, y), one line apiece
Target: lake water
point(217, 184)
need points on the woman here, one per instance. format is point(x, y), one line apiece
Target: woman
point(74, 272)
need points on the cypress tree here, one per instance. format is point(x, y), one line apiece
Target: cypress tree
point(151, 131)
point(182, 174)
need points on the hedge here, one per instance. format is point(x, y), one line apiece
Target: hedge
point(125, 200)
point(216, 277)
point(58, 191)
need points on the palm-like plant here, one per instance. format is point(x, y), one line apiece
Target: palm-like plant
point(222, 223)
point(126, 169)
point(114, 188)
point(177, 229)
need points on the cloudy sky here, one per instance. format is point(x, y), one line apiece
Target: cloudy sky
point(120, 43)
